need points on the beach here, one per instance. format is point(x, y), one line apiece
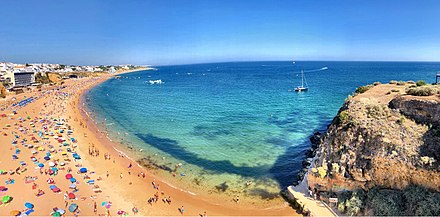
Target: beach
point(55, 126)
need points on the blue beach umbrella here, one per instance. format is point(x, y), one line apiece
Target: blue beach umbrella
point(73, 207)
point(46, 158)
point(76, 156)
point(29, 205)
point(73, 180)
point(40, 165)
point(54, 169)
point(83, 170)
point(52, 187)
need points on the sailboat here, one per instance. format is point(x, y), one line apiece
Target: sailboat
point(303, 81)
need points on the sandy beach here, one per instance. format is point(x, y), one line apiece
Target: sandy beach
point(40, 144)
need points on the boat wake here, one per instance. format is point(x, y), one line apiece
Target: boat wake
point(159, 81)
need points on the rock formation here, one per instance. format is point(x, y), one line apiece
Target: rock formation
point(381, 137)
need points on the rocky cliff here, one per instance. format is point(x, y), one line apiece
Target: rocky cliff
point(380, 137)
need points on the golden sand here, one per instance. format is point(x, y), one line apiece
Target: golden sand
point(114, 181)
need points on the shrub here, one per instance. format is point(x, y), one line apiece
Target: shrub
point(421, 91)
point(322, 172)
point(429, 205)
point(335, 168)
point(401, 83)
point(395, 90)
point(363, 89)
point(393, 82)
point(385, 202)
point(420, 83)
point(351, 203)
point(343, 116)
point(343, 197)
point(356, 203)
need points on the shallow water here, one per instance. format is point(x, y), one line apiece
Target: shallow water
point(228, 123)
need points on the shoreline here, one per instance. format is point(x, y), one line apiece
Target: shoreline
point(212, 208)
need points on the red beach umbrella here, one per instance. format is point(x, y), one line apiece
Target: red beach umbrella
point(69, 176)
point(71, 196)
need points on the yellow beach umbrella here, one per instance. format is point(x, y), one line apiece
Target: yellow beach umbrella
point(15, 213)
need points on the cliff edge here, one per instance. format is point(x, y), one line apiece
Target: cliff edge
point(382, 136)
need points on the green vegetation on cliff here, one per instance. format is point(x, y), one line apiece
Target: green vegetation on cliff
point(411, 201)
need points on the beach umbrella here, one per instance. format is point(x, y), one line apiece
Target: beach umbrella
point(72, 180)
point(76, 156)
point(103, 203)
point(56, 214)
point(54, 169)
point(29, 212)
point(61, 211)
point(29, 205)
point(83, 170)
point(73, 207)
point(40, 165)
point(69, 176)
point(15, 213)
point(52, 187)
point(6, 199)
point(71, 196)
point(51, 164)
point(3, 188)
point(62, 164)
point(73, 186)
point(46, 158)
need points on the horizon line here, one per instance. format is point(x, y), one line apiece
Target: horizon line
point(250, 61)
point(237, 61)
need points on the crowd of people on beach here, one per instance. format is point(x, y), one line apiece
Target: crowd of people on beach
point(45, 150)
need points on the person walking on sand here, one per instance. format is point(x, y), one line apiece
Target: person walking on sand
point(182, 210)
point(95, 210)
point(121, 175)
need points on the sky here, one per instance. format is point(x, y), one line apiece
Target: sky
point(163, 32)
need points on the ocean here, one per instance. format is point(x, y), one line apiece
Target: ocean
point(219, 126)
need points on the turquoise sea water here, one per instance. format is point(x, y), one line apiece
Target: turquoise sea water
point(228, 123)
